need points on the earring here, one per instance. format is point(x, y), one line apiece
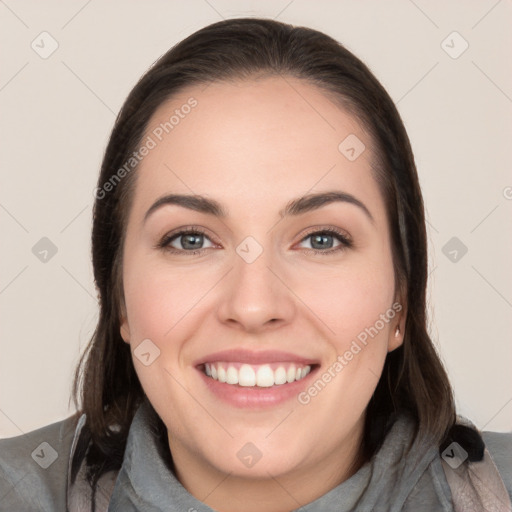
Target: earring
point(397, 331)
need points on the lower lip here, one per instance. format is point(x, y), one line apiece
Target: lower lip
point(256, 397)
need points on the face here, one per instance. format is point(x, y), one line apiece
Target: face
point(297, 304)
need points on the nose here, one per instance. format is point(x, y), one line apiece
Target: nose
point(255, 295)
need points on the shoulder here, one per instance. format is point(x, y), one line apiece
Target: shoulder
point(34, 467)
point(499, 445)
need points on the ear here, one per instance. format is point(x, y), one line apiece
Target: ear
point(124, 326)
point(397, 325)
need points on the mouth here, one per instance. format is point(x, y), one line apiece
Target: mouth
point(256, 380)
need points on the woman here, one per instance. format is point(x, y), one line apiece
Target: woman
point(259, 249)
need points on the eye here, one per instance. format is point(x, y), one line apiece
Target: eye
point(189, 241)
point(322, 241)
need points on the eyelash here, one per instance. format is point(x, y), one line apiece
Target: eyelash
point(346, 243)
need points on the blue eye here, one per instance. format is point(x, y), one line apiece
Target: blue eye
point(324, 240)
point(190, 239)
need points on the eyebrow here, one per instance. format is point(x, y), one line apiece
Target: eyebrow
point(294, 207)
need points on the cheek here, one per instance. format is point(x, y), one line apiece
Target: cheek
point(350, 299)
point(158, 303)
point(357, 305)
point(156, 299)
point(358, 308)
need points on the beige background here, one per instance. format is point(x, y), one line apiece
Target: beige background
point(57, 114)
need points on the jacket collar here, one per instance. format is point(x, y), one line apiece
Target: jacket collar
point(144, 481)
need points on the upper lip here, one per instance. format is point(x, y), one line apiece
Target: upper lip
point(255, 357)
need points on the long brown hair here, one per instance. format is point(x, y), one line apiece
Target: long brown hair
point(106, 386)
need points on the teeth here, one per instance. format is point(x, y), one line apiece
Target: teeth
point(265, 377)
point(221, 374)
point(280, 376)
point(262, 376)
point(231, 375)
point(246, 376)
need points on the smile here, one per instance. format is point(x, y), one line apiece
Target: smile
point(257, 380)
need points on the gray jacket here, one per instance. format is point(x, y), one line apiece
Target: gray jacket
point(35, 476)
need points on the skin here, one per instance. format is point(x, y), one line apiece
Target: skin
point(253, 146)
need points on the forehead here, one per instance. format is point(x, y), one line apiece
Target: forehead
point(273, 137)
